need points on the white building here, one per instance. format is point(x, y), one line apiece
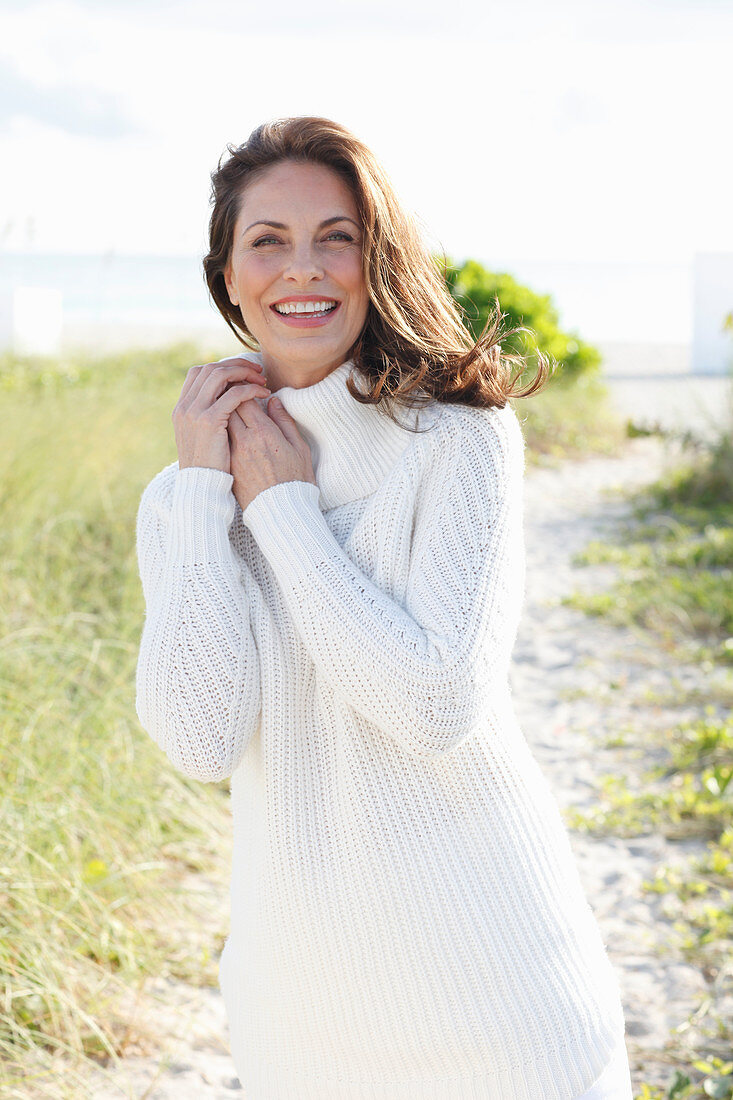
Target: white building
point(31, 320)
point(712, 342)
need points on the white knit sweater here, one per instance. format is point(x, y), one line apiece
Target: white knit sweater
point(407, 919)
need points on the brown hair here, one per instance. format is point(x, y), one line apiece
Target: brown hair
point(414, 337)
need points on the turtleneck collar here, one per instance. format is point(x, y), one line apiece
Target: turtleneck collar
point(353, 446)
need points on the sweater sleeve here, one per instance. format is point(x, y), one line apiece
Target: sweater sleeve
point(423, 669)
point(197, 679)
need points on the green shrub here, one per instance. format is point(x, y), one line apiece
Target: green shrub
point(474, 289)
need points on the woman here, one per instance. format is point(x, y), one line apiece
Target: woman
point(333, 580)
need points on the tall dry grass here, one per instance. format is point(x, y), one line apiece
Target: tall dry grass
point(97, 831)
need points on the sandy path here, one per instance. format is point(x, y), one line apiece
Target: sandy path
point(565, 667)
point(558, 650)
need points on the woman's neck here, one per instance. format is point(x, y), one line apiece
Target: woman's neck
point(295, 376)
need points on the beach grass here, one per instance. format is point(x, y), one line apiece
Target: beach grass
point(674, 558)
point(99, 833)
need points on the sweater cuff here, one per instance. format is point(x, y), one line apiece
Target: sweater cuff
point(202, 510)
point(290, 528)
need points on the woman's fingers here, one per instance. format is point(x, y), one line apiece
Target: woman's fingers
point(202, 373)
point(277, 412)
point(197, 376)
point(191, 376)
point(253, 415)
point(216, 381)
point(237, 395)
point(236, 425)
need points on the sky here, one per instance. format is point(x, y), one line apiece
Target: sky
point(567, 132)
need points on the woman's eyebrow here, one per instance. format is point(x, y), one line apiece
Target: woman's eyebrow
point(328, 221)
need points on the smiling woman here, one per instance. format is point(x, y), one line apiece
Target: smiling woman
point(332, 600)
point(291, 252)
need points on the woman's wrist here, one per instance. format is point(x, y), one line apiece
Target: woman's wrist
point(202, 511)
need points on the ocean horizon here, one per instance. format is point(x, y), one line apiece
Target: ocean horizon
point(110, 300)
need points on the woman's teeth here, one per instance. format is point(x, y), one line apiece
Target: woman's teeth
point(306, 307)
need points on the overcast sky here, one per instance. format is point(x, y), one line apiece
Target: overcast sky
point(566, 131)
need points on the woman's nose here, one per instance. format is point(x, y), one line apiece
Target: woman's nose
point(303, 264)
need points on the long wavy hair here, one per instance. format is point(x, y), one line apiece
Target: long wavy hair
point(414, 346)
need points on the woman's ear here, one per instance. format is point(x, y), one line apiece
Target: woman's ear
point(230, 285)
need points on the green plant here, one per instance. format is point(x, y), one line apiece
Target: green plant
point(475, 288)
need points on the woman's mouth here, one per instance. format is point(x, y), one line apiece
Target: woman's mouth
point(306, 314)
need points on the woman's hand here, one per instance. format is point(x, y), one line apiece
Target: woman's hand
point(208, 398)
point(266, 449)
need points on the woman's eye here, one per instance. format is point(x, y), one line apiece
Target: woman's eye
point(337, 235)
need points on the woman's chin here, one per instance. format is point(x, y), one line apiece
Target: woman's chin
point(307, 352)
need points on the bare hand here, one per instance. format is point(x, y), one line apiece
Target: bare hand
point(209, 396)
point(266, 449)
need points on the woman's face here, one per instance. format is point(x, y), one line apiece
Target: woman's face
point(298, 239)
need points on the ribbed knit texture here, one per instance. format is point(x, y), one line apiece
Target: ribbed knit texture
point(407, 918)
